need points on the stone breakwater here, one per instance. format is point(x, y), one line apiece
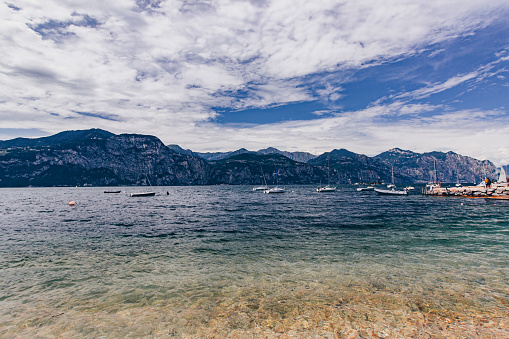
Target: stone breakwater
point(493, 191)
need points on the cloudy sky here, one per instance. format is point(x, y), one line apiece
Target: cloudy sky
point(305, 75)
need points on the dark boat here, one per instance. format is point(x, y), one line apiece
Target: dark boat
point(111, 191)
point(143, 194)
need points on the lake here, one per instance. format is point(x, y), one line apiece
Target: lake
point(224, 261)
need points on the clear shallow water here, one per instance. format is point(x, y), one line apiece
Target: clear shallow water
point(225, 261)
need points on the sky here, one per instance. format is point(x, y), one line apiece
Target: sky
point(312, 76)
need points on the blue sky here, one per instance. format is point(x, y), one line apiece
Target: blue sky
point(297, 75)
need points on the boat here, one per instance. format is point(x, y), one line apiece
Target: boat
point(113, 191)
point(363, 189)
point(502, 178)
point(409, 188)
point(390, 192)
point(327, 188)
point(276, 189)
point(369, 188)
point(458, 184)
point(143, 194)
point(391, 185)
point(264, 186)
point(434, 183)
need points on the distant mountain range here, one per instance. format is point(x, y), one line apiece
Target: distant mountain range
point(100, 158)
point(216, 156)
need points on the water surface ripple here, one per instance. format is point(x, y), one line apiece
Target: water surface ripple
point(223, 261)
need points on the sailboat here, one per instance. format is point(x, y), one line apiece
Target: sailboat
point(502, 177)
point(276, 189)
point(369, 187)
point(457, 175)
point(144, 194)
point(264, 186)
point(391, 185)
point(457, 180)
point(434, 183)
point(327, 188)
point(392, 191)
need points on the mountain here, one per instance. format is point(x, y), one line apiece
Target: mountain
point(216, 156)
point(350, 167)
point(450, 166)
point(249, 168)
point(95, 158)
point(178, 149)
point(99, 158)
point(219, 155)
point(59, 138)
point(296, 156)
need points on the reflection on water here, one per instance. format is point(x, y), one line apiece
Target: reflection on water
point(228, 262)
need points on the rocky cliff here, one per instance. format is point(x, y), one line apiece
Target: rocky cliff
point(252, 168)
point(100, 158)
point(450, 167)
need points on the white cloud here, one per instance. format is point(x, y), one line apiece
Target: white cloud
point(160, 69)
point(424, 128)
point(439, 87)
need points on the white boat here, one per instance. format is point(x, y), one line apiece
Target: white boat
point(502, 178)
point(276, 189)
point(264, 187)
point(390, 192)
point(391, 185)
point(369, 188)
point(409, 188)
point(143, 194)
point(363, 189)
point(434, 183)
point(327, 188)
point(260, 188)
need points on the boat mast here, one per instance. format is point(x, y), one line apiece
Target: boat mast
point(275, 165)
point(435, 170)
point(263, 176)
point(328, 170)
point(369, 171)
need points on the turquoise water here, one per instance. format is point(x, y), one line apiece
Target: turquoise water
point(223, 261)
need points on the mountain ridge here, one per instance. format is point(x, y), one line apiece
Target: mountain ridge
point(98, 157)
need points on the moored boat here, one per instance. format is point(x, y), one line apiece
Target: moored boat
point(365, 189)
point(263, 187)
point(327, 188)
point(143, 194)
point(390, 192)
point(274, 190)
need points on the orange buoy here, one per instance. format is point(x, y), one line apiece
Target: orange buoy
point(72, 203)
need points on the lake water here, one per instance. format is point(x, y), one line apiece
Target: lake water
point(223, 261)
